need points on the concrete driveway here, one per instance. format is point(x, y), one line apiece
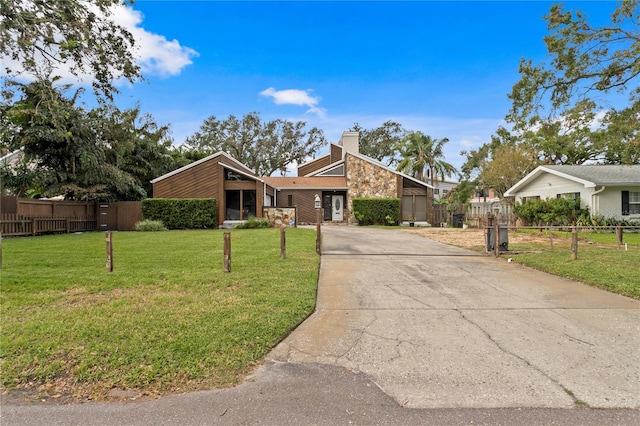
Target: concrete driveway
point(436, 326)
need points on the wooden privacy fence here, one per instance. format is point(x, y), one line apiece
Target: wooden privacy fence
point(14, 225)
point(24, 216)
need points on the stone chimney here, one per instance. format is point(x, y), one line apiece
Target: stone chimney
point(350, 142)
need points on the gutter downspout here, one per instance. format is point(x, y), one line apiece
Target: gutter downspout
point(593, 199)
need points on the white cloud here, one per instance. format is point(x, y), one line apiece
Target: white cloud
point(156, 55)
point(296, 97)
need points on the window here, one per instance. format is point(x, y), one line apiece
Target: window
point(290, 200)
point(436, 191)
point(569, 195)
point(630, 202)
point(525, 199)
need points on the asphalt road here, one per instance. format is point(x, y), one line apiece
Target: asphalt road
point(410, 331)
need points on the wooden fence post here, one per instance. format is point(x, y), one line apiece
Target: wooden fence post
point(550, 238)
point(283, 242)
point(619, 235)
point(227, 251)
point(496, 238)
point(574, 243)
point(318, 238)
point(109, 241)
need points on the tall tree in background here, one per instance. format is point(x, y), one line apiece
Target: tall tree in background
point(381, 143)
point(104, 154)
point(134, 144)
point(265, 147)
point(590, 66)
point(423, 158)
point(508, 164)
point(38, 36)
point(55, 137)
point(563, 110)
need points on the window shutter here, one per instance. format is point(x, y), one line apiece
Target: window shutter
point(625, 203)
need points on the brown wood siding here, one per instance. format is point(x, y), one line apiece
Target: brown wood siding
point(201, 181)
point(335, 153)
point(259, 187)
point(414, 191)
point(240, 184)
point(304, 200)
point(314, 165)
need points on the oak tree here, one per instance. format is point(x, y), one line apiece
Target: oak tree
point(39, 36)
point(265, 147)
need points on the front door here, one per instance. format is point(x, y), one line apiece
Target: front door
point(337, 209)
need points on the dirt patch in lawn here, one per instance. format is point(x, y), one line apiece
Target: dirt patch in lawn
point(473, 238)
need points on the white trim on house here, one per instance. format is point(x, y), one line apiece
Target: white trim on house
point(326, 169)
point(379, 164)
point(541, 170)
point(601, 187)
point(249, 175)
point(195, 163)
point(314, 159)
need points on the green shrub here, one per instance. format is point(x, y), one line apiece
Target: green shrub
point(182, 213)
point(376, 211)
point(552, 211)
point(253, 223)
point(150, 225)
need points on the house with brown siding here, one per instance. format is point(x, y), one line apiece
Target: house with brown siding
point(337, 178)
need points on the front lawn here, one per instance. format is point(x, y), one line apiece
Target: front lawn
point(600, 262)
point(168, 319)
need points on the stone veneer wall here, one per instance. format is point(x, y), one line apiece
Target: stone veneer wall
point(366, 180)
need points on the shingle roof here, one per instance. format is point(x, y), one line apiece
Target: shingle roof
point(601, 174)
point(588, 175)
point(307, 182)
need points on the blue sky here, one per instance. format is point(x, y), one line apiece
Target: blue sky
point(441, 67)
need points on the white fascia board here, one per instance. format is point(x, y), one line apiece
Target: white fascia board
point(195, 163)
point(313, 159)
point(379, 164)
point(249, 175)
point(509, 192)
point(586, 183)
point(539, 171)
point(324, 169)
point(328, 188)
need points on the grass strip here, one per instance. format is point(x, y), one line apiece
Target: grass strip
point(600, 262)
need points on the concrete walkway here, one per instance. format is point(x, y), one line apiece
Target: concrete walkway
point(411, 331)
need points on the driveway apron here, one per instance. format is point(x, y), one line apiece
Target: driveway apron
point(436, 326)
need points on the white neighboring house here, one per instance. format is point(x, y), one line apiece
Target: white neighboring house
point(12, 159)
point(607, 190)
point(442, 187)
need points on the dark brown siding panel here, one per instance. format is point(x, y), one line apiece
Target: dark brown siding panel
point(336, 153)
point(304, 200)
point(201, 181)
point(414, 191)
point(311, 167)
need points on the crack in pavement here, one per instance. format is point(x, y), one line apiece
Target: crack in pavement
point(576, 401)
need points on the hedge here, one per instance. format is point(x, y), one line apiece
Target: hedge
point(376, 211)
point(182, 213)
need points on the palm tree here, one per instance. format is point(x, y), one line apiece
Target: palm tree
point(422, 158)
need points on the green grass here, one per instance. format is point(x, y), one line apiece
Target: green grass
point(168, 318)
point(600, 263)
